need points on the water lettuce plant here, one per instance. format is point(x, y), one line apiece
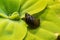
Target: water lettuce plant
point(12, 27)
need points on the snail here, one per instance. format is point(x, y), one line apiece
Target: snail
point(31, 21)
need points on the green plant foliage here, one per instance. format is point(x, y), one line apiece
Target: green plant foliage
point(12, 27)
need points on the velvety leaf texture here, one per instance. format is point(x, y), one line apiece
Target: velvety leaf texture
point(12, 27)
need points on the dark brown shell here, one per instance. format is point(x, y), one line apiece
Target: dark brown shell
point(31, 21)
point(58, 38)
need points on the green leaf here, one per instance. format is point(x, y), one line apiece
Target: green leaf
point(35, 8)
point(32, 37)
point(50, 26)
point(27, 4)
point(11, 5)
point(2, 8)
point(12, 30)
point(45, 34)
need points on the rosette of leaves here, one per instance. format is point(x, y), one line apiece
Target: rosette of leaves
point(12, 27)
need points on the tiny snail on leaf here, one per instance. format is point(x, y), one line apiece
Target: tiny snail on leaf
point(58, 38)
point(31, 21)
